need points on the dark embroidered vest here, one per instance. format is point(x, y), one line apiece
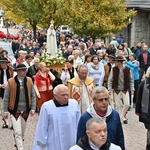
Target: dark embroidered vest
point(14, 93)
point(126, 72)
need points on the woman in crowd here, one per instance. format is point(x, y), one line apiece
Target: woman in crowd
point(43, 84)
point(87, 59)
point(111, 49)
point(134, 65)
point(85, 52)
point(69, 72)
point(96, 70)
point(77, 59)
point(124, 50)
point(104, 59)
point(100, 53)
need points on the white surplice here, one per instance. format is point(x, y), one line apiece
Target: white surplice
point(57, 126)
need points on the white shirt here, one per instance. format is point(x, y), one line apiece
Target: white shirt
point(5, 77)
point(85, 103)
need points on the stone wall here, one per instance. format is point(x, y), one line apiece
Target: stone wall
point(138, 30)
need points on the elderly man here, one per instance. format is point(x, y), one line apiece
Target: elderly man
point(58, 120)
point(68, 52)
point(79, 85)
point(101, 109)
point(19, 100)
point(96, 137)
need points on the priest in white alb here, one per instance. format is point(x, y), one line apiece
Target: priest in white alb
point(57, 123)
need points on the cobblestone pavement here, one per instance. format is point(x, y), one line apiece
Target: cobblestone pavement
point(134, 131)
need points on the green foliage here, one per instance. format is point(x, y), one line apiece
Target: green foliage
point(97, 18)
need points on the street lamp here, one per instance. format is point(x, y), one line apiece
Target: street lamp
point(1, 18)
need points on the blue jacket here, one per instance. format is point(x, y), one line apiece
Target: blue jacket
point(114, 128)
point(134, 66)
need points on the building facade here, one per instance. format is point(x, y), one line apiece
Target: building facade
point(139, 27)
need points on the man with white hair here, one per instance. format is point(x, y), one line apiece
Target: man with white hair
point(21, 57)
point(96, 137)
point(57, 123)
point(68, 52)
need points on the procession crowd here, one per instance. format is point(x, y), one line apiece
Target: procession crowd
point(84, 105)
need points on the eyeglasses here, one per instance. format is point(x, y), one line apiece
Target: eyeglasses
point(102, 99)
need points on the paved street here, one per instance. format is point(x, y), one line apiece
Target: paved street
point(135, 134)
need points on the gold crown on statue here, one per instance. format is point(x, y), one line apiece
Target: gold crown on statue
point(52, 22)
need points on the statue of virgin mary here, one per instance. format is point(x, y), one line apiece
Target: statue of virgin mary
point(51, 40)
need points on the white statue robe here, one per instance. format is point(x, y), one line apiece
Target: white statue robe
point(57, 126)
point(51, 42)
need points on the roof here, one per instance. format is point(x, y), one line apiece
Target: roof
point(138, 4)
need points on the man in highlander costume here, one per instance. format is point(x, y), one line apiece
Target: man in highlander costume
point(19, 100)
point(6, 72)
point(120, 81)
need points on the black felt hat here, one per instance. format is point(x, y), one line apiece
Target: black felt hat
point(112, 56)
point(119, 58)
point(4, 59)
point(21, 67)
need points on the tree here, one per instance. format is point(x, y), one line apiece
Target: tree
point(35, 12)
point(98, 18)
point(57, 11)
point(26, 10)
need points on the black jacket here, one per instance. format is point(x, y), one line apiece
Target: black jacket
point(141, 59)
point(93, 51)
point(66, 54)
point(146, 120)
point(31, 72)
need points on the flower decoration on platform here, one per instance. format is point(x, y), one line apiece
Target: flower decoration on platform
point(57, 60)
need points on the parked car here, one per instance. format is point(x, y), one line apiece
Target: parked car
point(64, 28)
point(6, 46)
